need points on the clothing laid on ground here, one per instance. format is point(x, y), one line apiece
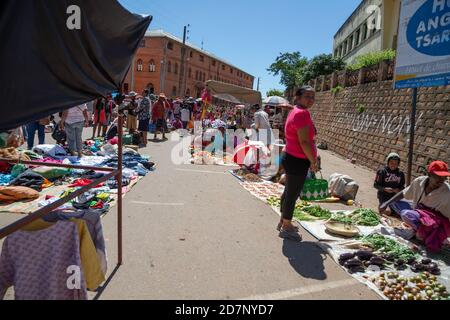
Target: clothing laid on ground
point(387, 178)
point(299, 118)
point(13, 194)
point(29, 179)
point(38, 264)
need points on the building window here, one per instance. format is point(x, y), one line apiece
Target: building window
point(358, 37)
point(191, 54)
point(188, 92)
point(202, 58)
point(190, 73)
point(169, 67)
point(214, 63)
point(176, 68)
point(350, 44)
point(152, 66)
point(170, 46)
point(223, 67)
point(196, 75)
point(231, 70)
point(140, 67)
point(174, 91)
point(373, 26)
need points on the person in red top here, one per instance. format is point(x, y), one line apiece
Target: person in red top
point(300, 156)
point(158, 115)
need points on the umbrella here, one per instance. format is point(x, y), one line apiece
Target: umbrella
point(216, 124)
point(275, 101)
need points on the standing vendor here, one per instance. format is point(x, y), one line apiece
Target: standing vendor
point(389, 180)
point(430, 216)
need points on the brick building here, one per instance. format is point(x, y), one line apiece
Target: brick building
point(158, 66)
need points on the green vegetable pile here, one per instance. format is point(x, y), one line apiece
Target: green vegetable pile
point(342, 217)
point(365, 217)
point(360, 217)
point(276, 202)
point(318, 212)
point(389, 246)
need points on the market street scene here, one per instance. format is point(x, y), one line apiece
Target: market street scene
point(147, 153)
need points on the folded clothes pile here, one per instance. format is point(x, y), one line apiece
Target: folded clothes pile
point(29, 179)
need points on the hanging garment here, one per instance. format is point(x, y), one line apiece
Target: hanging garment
point(39, 264)
point(94, 225)
point(90, 262)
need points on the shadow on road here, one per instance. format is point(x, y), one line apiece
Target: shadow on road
point(306, 258)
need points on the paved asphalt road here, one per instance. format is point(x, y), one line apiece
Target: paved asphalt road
point(191, 232)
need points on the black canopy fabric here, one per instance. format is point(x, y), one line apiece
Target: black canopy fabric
point(45, 67)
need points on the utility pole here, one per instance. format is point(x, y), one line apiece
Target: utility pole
point(181, 83)
point(163, 68)
point(257, 89)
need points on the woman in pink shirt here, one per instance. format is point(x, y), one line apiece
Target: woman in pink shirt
point(300, 156)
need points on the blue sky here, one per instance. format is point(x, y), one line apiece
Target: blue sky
point(251, 33)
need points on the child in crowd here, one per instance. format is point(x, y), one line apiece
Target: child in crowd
point(389, 180)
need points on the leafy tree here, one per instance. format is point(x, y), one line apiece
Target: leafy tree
point(289, 66)
point(321, 65)
point(275, 92)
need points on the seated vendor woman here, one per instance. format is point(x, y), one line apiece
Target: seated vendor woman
point(430, 216)
point(389, 180)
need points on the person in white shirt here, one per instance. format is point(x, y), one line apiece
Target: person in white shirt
point(73, 121)
point(185, 116)
point(431, 193)
point(262, 126)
